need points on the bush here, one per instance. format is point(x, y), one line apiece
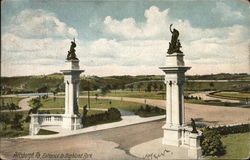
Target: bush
point(224, 130)
point(112, 114)
point(211, 143)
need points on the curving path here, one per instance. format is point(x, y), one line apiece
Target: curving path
point(204, 114)
point(204, 96)
point(24, 104)
point(115, 143)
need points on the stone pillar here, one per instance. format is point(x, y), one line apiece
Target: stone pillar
point(34, 124)
point(174, 78)
point(194, 151)
point(72, 81)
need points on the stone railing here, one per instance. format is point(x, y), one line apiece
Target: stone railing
point(47, 119)
point(71, 122)
point(39, 120)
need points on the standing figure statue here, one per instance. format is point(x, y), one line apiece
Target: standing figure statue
point(174, 45)
point(72, 52)
point(193, 126)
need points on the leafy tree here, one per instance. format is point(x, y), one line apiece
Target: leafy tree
point(5, 120)
point(139, 86)
point(96, 96)
point(155, 86)
point(43, 89)
point(131, 87)
point(104, 90)
point(16, 122)
point(149, 87)
point(161, 87)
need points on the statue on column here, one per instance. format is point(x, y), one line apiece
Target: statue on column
point(71, 53)
point(174, 45)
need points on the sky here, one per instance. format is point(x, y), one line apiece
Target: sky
point(120, 37)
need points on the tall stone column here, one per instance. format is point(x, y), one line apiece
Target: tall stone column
point(71, 119)
point(174, 79)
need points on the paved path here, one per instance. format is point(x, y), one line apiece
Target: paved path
point(204, 96)
point(104, 145)
point(155, 150)
point(24, 104)
point(203, 114)
point(126, 121)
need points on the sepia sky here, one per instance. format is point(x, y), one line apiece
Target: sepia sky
point(123, 37)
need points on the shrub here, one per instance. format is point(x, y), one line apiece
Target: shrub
point(224, 130)
point(211, 143)
point(114, 114)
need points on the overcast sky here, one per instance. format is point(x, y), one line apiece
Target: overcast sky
point(124, 37)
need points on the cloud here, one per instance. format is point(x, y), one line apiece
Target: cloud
point(226, 13)
point(135, 48)
point(155, 25)
point(40, 24)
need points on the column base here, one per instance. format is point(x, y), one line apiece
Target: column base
point(172, 135)
point(72, 122)
point(34, 129)
point(194, 150)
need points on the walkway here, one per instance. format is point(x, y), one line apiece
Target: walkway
point(126, 121)
point(203, 114)
point(204, 96)
point(155, 150)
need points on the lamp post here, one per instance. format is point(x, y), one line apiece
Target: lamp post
point(88, 93)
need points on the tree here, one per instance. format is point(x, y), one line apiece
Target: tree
point(155, 86)
point(16, 122)
point(131, 87)
point(149, 87)
point(105, 90)
point(161, 87)
point(96, 96)
point(5, 119)
point(43, 89)
point(139, 86)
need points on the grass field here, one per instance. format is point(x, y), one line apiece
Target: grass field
point(59, 103)
point(161, 95)
point(10, 100)
point(237, 146)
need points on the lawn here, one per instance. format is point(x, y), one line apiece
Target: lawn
point(9, 100)
point(237, 146)
point(100, 103)
point(161, 95)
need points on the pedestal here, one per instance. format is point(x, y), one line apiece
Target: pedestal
point(172, 135)
point(194, 151)
point(71, 118)
point(71, 122)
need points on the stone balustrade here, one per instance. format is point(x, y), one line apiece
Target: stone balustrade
point(41, 120)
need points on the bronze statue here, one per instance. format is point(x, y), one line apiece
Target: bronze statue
point(174, 45)
point(193, 126)
point(71, 53)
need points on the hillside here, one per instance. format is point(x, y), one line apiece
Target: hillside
point(54, 83)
